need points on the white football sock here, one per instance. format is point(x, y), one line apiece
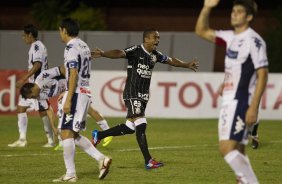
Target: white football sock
point(69, 153)
point(22, 124)
point(48, 129)
point(87, 146)
point(103, 124)
point(241, 166)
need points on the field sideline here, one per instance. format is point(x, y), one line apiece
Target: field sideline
point(188, 148)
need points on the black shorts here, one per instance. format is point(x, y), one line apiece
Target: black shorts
point(135, 107)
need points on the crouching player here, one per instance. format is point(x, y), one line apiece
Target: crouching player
point(51, 83)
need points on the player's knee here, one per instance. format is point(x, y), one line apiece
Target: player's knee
point(140, 121)
point(141, 125)
point(226, 146)
point(128, 128)
point(21, 109)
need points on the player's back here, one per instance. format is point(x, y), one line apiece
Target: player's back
point(50, 83)
point(78, 55)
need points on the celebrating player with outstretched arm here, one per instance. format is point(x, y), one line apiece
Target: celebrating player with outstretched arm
point(141, 61)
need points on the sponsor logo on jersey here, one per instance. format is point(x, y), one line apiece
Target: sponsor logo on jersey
point(232, 54)
point(143, 96)
point(144, 70)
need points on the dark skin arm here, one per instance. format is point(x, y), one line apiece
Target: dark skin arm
point(193, 65)
point(113, 54)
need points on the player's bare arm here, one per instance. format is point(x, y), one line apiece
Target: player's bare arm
point(220, 89)
point(193, 65)
point(252, 112)
point(52, 118)
point(71, 90)
point(62, 70)
point(112, 54)
point(33, 70)
point(202, 26)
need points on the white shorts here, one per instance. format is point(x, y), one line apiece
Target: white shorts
point(34, 104)
point(76, 120)
point(231, 125)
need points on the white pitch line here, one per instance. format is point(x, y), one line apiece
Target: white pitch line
point(119, 150)
point(128, 150)
point(166, 147)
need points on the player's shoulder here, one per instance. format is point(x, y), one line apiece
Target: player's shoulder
point(255, 38)
point(37, 45)
point(156, 52)
point(224, 33)
point(132, 48)
point(76, 44)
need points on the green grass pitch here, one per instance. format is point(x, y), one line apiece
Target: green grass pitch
point(188, 148)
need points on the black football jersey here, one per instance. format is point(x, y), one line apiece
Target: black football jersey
point(139, 71)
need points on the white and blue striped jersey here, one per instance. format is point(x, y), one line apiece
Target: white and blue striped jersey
point(50, 83)
point(245, 53)
point(37, 53)
point(77, 55)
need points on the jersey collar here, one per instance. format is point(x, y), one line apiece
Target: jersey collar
point(142, 46)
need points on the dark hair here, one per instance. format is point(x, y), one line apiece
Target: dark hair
point(147, 32)
point(250, 6)
point(26, 89)
point(30, 28)
point(71, 26)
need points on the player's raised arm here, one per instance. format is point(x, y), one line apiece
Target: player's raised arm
point(202, 26)
point(193, 65)
point(113, 54)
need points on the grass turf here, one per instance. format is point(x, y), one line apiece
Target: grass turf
point(188, 148)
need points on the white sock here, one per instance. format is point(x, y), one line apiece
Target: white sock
point(103, 124)
point(48, 129)
point(69, 152)
point(241, 166)
point(87, 146)
point(22, 124)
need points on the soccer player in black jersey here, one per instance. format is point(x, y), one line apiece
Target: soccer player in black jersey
point(141, 61)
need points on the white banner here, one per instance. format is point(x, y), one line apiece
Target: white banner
point(177, 95)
